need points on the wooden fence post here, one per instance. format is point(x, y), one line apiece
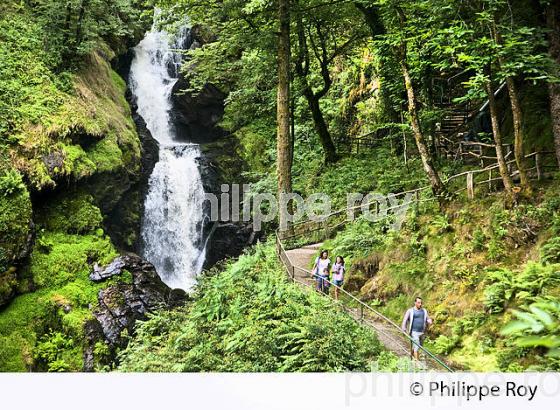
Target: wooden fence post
point(490, 180)
point(361, 312)
point(538, 165)
point(470, 185)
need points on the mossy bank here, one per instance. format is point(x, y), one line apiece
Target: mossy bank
point(69, 152)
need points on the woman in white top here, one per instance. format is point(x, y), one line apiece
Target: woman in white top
point(322, 264)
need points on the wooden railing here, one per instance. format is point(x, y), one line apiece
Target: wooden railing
point(306, 232)
point(369, 140)
point(490, 174)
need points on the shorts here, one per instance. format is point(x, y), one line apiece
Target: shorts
point(338, 283)
point(418, 337)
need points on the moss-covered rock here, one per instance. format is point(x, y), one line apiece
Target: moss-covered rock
point(15, 238)
point(69, 150)
point(74, 214)
point(90, 132)
point(56, 294)
point(60, 301)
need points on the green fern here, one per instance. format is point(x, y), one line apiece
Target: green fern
point(538, 325)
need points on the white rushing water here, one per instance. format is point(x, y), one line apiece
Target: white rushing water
point(173, 217)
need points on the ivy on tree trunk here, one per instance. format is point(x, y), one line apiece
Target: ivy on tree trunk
point(502, 164)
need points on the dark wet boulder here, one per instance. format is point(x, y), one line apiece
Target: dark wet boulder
point(229, 240)
point(122, 304)
point(114, 268)
point(196, 115)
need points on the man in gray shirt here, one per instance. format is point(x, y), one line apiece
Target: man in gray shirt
point(415, 323)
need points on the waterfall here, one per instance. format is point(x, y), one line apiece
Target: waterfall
point(172, 224)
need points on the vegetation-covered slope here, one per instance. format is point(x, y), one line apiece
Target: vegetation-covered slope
point(247, 317)
point(68, 152)
point(472, 264)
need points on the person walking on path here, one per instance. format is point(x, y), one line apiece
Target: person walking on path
point(338, 271)
point(323, 282)
point(415, 323)
point(318, 272)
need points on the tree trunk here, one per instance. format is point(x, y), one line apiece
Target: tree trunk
point(427, 159)
point(517, 115)
point(283, 140)
point(553, 22)
point(502, 165)
point(372, 18)
point(320, 125)
point(518, 134)
point(313, 98)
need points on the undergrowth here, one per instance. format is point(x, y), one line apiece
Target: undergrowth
point(249, 318)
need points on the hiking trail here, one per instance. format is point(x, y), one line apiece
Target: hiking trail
point(302, 259)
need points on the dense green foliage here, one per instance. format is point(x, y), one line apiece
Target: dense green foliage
point(249, 318)
point(58, 306)
point(379, 69)
point(537, 326)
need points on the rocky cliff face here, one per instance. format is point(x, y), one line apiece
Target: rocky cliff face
point(68, 176)
point(71, 195)
point(197, 118)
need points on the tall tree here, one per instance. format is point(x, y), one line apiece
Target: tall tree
point(553, 23)
point(324, 31)
point(427, 160)
point(313, 98)
point(494, 116)
point(488, 42)
point(402, 55)
point(519, 58)
point(517, 114)
point(283, 142)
